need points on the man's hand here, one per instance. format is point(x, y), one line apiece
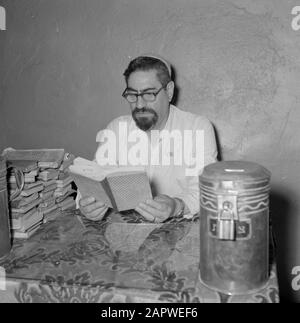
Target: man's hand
point(157, 210)
point(93, 210)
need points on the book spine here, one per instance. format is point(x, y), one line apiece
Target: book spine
point(109, 193)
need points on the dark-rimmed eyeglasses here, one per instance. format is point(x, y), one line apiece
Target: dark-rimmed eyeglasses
point(146, 96)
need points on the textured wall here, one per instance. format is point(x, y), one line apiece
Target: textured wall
point(236, 61)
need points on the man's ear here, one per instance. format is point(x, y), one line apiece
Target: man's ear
point(170, 90)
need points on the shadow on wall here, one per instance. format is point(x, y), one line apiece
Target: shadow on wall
point(219, 156)
point(281, 215)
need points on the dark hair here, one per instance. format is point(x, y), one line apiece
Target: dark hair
point(145, 63)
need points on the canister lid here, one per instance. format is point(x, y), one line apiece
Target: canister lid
point(235, 170)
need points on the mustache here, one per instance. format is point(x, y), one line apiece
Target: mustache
point(143, 110)
point(144, 122)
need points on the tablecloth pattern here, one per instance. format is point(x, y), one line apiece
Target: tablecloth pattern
point(118, 259)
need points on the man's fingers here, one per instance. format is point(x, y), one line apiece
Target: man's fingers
point(145, 214)
point(86, 201)
point(156, 205)
point(150, 209)
point(100, 204)
point(159, 212)
point(91, 209)
point(94, 206)
point(96, 215)
point(151, 213)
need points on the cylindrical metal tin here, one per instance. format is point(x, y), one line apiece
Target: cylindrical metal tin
point(234, 226)
point(5, 243)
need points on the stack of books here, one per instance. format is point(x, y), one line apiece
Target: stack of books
point(48, 207)
point(25, 217)
point(46, 188)
point(64, 191)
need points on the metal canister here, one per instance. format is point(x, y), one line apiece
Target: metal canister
point(5, 241)
point(234, 226)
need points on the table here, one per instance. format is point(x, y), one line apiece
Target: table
point(119, 259)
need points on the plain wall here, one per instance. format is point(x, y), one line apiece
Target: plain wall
point(237, 62)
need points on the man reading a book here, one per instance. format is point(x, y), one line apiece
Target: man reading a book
point(149, 92)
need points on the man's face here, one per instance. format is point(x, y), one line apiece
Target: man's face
point(149, 115)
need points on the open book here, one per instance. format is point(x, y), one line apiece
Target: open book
point(121, 188)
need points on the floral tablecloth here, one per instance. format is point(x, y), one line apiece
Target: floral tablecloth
point(118, 259)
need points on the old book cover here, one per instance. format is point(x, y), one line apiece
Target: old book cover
point(91, 187)
point(19, 234)
point(63, 180)
point(17, 215)
point(25, 166)
point(22, 200)
point(121, 188)
point(48, 183)
point(28, 186)
point(49, 188)
point(67, 204)
point(26, 221)
point(45, 195)
point(66, 195)
point(47, 203)
point(47, 158)
point(128, 189)
point(27, 179)
point(61, 191)
point(48, 209)
point(48, 174)
point(32, 190)
point(17, 208)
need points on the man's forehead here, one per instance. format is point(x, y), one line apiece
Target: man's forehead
point(143, 79)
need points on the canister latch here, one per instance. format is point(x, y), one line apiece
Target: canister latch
point(227, 216)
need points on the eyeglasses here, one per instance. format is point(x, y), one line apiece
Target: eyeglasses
point(146, 96)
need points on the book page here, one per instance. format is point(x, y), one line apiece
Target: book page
point(88, 169)
point(94, 171)
point(90, 187)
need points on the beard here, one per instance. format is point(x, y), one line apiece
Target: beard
point(144, 118)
